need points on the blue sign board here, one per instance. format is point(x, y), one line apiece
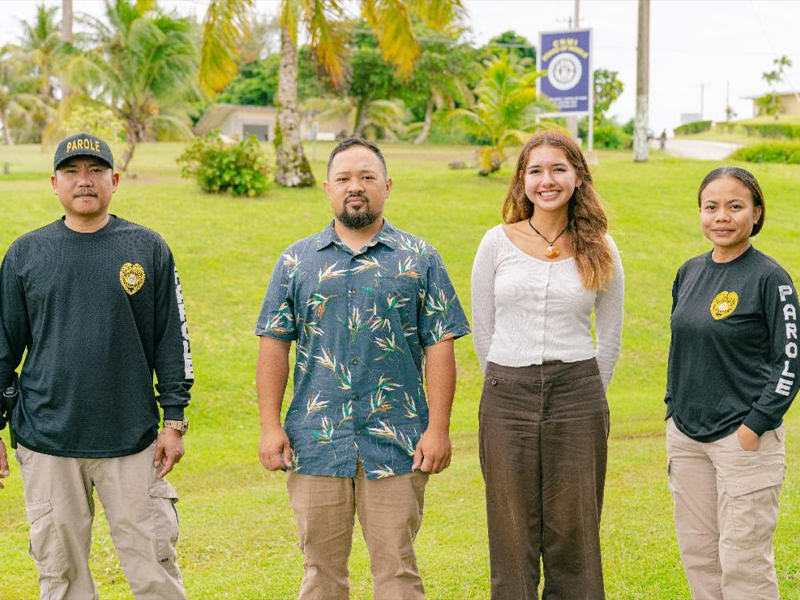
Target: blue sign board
point(568, 82)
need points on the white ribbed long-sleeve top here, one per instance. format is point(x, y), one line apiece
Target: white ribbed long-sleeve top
point(526, 311)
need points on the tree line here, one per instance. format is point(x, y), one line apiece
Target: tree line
point(400, 70)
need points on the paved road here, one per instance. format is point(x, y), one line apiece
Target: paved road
point(699, 149)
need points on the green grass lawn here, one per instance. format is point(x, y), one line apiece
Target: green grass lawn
point(238, 538)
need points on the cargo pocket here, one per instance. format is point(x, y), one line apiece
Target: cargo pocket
point(780, 434)
point(45, 545)
point(165, 519)
point(670, 482)
point(751, 507)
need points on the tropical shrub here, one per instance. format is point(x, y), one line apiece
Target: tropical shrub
point(240, 168)
point(611, 135)
point(771, 152)
point(506, 113)
point(95, 119)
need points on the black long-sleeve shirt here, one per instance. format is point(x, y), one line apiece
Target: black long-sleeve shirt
point(98, 314)
point(733, 357)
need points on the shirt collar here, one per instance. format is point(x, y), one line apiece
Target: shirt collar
point(386, 236)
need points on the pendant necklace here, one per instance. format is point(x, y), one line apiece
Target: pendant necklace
point(551, 252)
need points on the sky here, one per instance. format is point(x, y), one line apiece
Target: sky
point(702, 52)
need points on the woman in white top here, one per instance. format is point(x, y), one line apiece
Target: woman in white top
point(543, 415)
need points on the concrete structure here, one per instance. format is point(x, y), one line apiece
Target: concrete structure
point(239, 122)
point(789, 104)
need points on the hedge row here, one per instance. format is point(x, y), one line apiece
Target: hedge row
point(773, 130)
point(766, 130)
point(694, 127)
point(771, 152)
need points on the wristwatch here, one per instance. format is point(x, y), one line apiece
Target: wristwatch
point(181, 426)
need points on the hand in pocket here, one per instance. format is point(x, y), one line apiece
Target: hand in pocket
point(748, 439)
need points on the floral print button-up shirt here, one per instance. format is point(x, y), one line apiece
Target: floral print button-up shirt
point(361, 321)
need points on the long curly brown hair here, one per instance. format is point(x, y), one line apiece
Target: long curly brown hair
point(587, 223)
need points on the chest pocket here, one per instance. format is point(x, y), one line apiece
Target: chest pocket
point(404, 294)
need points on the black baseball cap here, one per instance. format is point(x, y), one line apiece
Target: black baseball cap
point(82, 144)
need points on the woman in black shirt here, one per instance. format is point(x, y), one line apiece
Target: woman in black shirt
point(733, 372)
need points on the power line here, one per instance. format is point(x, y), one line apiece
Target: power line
point(774, 52)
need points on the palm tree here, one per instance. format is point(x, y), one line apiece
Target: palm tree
point(41, 41)
point(770, 103)
point(66, 21)
point(506, 113)
point(323, 20)
point(37, 56)
point(386, 115)
point(20, 101)
point(444, 79)
point(143, 67)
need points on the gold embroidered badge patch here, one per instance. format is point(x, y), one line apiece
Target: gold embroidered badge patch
point(724, 304)
point(131, 276)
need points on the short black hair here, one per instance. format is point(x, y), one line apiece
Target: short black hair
point(348, 143)
point(750, 182)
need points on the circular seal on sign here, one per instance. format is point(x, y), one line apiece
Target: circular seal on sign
point(564, 71)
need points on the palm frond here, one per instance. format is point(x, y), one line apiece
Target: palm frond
point(223, 25)
point(328, 36)
point(391, 22)
point(439, 15)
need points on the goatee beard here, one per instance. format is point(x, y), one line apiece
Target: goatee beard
point(357, 220)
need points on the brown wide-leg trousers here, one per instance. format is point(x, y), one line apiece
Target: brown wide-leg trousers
point(543, 446)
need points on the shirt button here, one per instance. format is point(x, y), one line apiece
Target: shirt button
point(494, 381)
point(358, 432)
point(354, 361)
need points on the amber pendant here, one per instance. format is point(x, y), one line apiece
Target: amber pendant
point(551, 251)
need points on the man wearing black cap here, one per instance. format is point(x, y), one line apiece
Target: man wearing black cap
point(96, 302)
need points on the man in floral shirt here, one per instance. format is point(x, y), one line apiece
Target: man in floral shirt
point(367, 306)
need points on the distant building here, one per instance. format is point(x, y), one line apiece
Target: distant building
point(238, 121)
point(690, 118)
point(789, 104)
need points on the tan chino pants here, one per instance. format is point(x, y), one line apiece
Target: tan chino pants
point(390, 513)
point(726, 511)
point(141, 516)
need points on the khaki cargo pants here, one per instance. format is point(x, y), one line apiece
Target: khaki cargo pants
point(140, 511)
point(726, 511)
point(390, 513)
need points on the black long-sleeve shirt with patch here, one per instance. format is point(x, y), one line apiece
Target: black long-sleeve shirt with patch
point(733, 357)
point(98, 313)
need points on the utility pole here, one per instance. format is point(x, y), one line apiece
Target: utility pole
point(66, 38)
point(702, 98)
point(728, 100)
point(572, 122)
point(640, 149)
